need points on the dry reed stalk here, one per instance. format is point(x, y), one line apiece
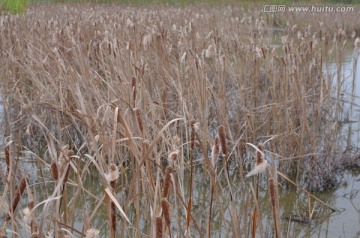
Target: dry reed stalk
point(31, 204)
point(262, 164)
point(222, 137)
point(111, 178)
point(15, 202)
point(192, 144)
point(274, 197)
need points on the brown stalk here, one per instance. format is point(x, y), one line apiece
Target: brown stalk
point(192, 144)
point(113, 211)
point(31, 205)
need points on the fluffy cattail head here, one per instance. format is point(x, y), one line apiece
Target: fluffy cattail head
point(92, 233)
point(113, 173)
point(215, 151)
point(173, 157)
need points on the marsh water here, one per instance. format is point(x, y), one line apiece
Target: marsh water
point(295, 206)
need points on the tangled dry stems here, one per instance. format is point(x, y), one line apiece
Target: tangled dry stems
point(126, 87)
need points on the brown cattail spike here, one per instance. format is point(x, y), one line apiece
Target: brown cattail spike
point(19, 191)
point(167, 181)
point(54, 169)
point(159, 228)
point(222, 136)
point(165, 205)
point(7, 158)
point(139, 120)
point(133, 88)
point(192, 135)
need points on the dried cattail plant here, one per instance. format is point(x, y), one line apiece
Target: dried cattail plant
point(54, 169)
point(92, 233)
point(215, 152)
point(222, 136)
point(15, 202)
point(159, 227)
point(167, 182)
point(165, 206)
point(134, 91)
point(7, 158)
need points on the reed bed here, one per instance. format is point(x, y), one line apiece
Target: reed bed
point(125, 111)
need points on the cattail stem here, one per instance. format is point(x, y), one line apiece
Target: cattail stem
point(192, 143)
point(113, 211)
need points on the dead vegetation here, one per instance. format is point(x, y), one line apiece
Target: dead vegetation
point(144, 103)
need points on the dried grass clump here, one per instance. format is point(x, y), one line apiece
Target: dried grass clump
point(103, 99)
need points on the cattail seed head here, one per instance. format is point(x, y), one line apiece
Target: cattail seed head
point(133, 88)
point(215, 151)
point(19, 191)
point(139, 120)
point(173, 156)
point(158, 227)
point(192, 135)
point(113, 173)
point(92, 233)
point(7, 158)
point(272, 191)
point(165, 205)
point(167, 181)
point(54, 169)
point(222, 136)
